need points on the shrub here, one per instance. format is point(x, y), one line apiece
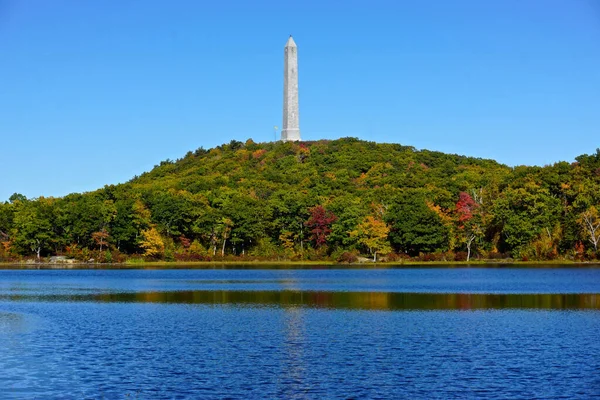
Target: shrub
point(396, 257)
point(347, 257)
point(461, 256)
point(450, 256)
point(431, 257)
point(265, 248)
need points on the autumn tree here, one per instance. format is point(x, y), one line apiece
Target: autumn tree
point(152, 243)
point(372, 233)
point(196, 249)
point(268, 192)
point(319, 224)
point(469, 220)
point(100, 238)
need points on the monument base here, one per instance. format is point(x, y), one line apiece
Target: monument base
point(290, 135)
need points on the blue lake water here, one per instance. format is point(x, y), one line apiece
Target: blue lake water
point(300, 333)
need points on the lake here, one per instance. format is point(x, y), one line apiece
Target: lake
point(300, 333)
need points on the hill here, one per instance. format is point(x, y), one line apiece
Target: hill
point(316, 200)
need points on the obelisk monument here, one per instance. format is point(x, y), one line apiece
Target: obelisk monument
point(290, 131)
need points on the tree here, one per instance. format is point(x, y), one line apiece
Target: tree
point(282, 194)
point(373, 234)
point(100, 238)
point(350, 211)
point(6, 223)
point(319, 223)
point(524, 212)
point(7, 211)
point(469, 220)
point(225, 228)
point(415, 227)
point(152, 243)
point(289, 211)
point(248, 219)
point(80, 215)
point(33, 223)
point(590, 222)
point(131, 218)
point(17, 197)
point(196, 249)
point(174, 211)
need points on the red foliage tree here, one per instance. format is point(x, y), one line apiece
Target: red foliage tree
point(319, 224)
point(470, 228)
point(185, 242)
point(465, 206)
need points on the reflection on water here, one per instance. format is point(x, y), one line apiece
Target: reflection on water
point(300, 334)
point(338, 300)
point(10, 322)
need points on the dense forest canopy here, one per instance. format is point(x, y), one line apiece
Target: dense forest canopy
point(315, 200)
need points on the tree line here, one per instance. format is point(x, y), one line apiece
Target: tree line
point(339, 200)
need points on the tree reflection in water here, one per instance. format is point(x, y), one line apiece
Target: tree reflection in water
point(294, 299)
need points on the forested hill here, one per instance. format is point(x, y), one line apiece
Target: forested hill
point(315, 200)
point(323, 168)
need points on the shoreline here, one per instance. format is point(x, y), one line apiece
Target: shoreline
point(298, 265)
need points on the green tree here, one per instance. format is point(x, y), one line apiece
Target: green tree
point(17, 197)
point(522, 213)
point(33, 226)
point(415, 227)
point(7, 212)
point(350, 211)
point(80, 215)
point(131, 218)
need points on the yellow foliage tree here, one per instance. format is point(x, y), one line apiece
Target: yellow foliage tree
point(152, 243)
point(4, 248)
point(197, 249)
point(373, 234)
point(446, 221)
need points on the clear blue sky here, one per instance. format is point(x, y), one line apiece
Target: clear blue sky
point(94, 92)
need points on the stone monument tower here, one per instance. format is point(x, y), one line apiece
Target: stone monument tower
point(290, 131)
